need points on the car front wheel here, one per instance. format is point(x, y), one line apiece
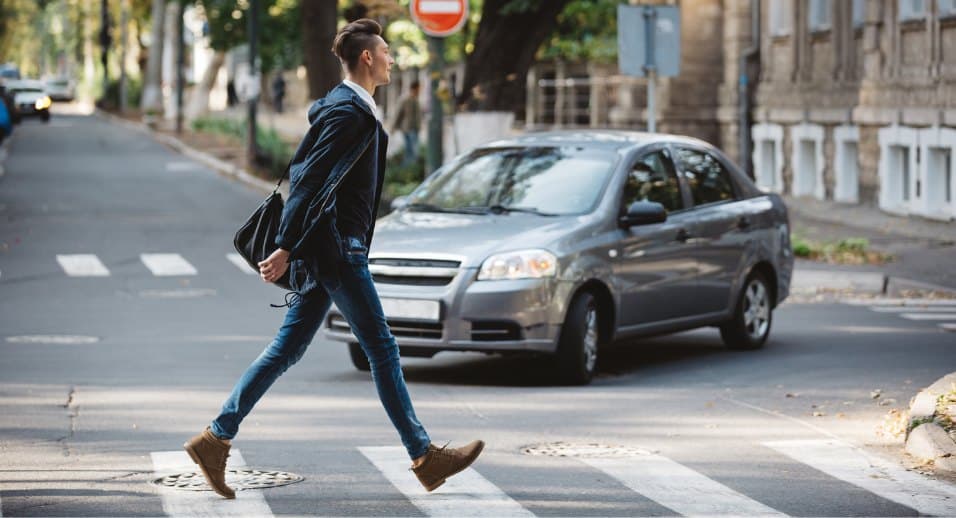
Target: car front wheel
point(578, 344)
point(359, 360)
point(753, 314)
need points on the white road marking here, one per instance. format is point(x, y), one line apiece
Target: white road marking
point(82, 265)
point(182, 166)
point(53, 339)
point(929, 316)
point(241, 263)
point(899, 302)
point(878, 476)
point(167, 264)
point(177, 502)
point(465, 494)
point(948, 327)
point(912, 309)
point(678, 487)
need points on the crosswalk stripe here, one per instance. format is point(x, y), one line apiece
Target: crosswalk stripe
point(177, 502)
point(929, 316)
point(948, 327)
point(465, 494)
point(241, 263)
point(167, 264)
point(678, 487)
point(82, 265)
point(881, 477)
point(899, 302)
point(913, 309)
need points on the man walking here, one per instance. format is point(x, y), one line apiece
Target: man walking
point(409, 121)
point(336, 182)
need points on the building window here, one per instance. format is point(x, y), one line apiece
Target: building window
point(937, 147)
point(781, 12)
point(912, 9)
point(819, 15)
point(859, 13)
point(947, 8)
point(807, 161)
point(768, 156)
point(899, 192)
point(846, 164)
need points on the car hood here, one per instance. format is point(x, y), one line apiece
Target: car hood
point(473, 237)
point(27, 97)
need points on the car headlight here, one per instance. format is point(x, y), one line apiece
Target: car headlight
point(522, 264)
point(43, 102)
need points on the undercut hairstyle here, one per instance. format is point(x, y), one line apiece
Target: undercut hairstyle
point(355, 38)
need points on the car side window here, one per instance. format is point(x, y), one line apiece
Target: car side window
point(708, 179)
point(652, 178)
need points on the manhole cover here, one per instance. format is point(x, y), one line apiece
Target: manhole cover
point(566, 449)
point(53, 339)
point(236, 478)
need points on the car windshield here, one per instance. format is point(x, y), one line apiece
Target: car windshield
point(549, 181)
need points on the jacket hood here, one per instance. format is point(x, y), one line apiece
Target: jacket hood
point(338, 95)
point(473, 237)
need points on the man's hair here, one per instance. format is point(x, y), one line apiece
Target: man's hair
point(355, 38)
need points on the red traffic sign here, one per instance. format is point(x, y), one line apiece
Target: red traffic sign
point(440, 17)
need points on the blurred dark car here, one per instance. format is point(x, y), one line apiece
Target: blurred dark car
point(558, 243)
point(30, 98)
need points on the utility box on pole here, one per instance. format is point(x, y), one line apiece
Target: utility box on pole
point(648, 38)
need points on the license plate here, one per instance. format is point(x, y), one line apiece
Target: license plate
point(414, 309)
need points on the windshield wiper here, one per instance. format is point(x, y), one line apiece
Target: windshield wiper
point(428, 207)
point(504, 209)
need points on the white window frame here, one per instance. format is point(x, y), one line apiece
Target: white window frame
point(912, 9)
point(846, 167)
point(781, 17)
point(768, 181)
point(931, 139)
point(807, 133)
point(820, 15)
point(891, 198)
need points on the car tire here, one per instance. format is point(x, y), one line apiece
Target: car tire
point(576, 359)
point(359, 360)
point(45, 116)
point(753, 315)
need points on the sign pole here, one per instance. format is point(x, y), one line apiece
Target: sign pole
point(650, 67)
point(253, 14)
point(436, 120)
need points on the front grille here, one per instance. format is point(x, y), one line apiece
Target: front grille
point(403, 328)
point(495, 331)
point(414, 272)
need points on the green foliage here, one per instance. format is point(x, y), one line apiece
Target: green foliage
point(853, 245)
point(134, 90)
point(586, 31)
point(400, 180)
point(275, 153)
point(280, 31)
point(801, 247)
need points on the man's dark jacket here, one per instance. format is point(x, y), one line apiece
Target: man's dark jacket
point(344, 138)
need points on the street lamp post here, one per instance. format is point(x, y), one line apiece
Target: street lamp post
point(436, 47)
point(105, 41)
point(254, 75)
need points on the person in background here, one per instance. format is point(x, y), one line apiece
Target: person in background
point(409, 121)
point(278, 91)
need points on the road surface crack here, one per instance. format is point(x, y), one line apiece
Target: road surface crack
point(73, 413)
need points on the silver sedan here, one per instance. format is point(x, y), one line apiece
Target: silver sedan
point(558, 243)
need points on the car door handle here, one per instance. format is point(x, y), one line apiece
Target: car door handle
point(743, 223)
point(683, 235)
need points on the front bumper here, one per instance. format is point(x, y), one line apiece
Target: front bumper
point(485, 316)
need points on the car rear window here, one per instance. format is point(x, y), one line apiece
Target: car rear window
point(562, 180)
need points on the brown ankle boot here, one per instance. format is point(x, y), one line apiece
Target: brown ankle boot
point(441, 463)
point(211, 453)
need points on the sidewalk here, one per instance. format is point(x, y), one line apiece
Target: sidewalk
point(924, 251)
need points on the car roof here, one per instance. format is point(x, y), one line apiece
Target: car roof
point(595, 138)
point(25, 83)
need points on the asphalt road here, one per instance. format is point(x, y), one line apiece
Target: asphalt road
point(101, 373)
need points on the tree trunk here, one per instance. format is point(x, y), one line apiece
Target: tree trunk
point(505, 45)
point(152, 95)
point(322, 68)
point(199, 102)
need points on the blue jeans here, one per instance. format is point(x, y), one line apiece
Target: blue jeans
point(411, 146)
point(355, 296)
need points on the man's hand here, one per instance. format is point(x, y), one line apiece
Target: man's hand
point(274, 266)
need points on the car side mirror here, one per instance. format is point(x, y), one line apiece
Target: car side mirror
point(399, 203)
point(644, 213)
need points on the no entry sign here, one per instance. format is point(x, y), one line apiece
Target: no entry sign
point(440, 17)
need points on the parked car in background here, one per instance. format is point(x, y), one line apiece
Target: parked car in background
point(9, 71)
point(561, 242)
point(60, 89)
point(30, 98)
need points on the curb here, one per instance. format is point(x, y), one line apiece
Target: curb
point(220, 166)
point(810, 281)
point(927, 440)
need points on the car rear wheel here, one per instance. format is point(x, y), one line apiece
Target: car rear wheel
point(750, 325)
point(359, 360)
point(578, 344)
point(45, 116)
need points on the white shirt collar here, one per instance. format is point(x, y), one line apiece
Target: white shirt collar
point(363, 93)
